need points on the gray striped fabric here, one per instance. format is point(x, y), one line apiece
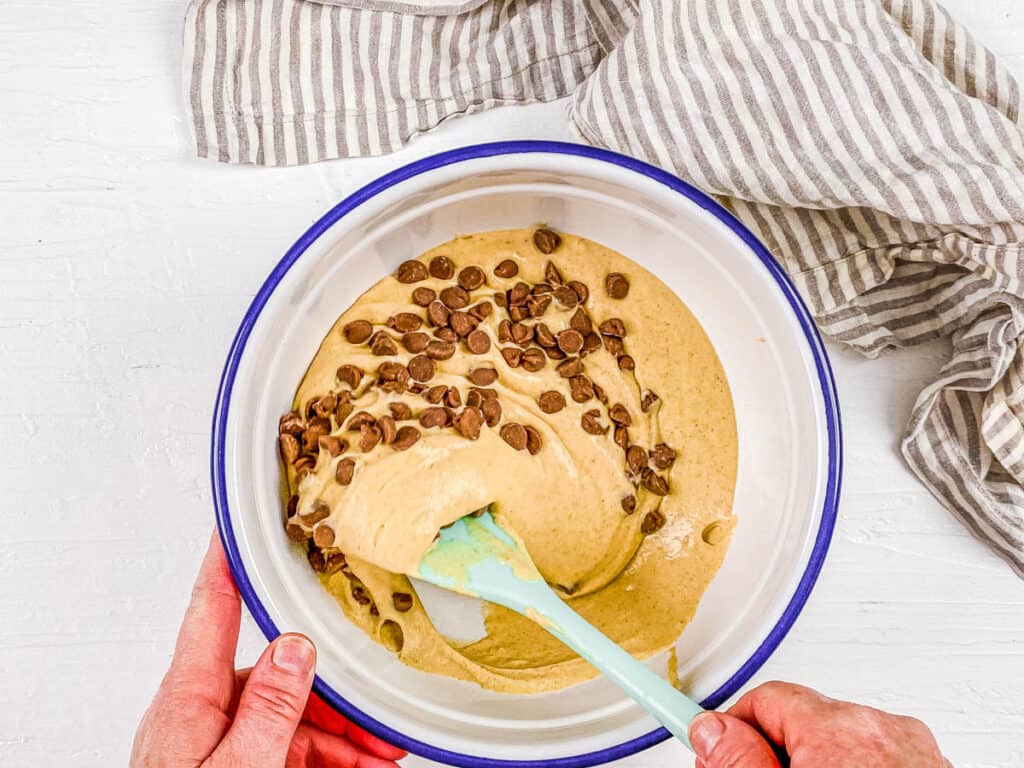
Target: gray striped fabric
point(873, 145)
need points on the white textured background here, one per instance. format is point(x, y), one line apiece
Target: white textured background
point(125, 265)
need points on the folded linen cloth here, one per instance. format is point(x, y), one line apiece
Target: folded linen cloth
point(873, 145)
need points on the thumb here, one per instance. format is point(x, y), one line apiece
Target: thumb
point(721, 741)
point(270, 707)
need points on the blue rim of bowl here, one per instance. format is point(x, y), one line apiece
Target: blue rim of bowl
point(462, 154)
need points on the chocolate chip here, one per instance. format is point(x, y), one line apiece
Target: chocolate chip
point(581, 389)
point(383, 345)
point(388, 429)
point(392, 371)
point(655, 483)
point(435, 394)
point(416, 388)
point(316, 558)
point(626, 363)
point(350, 375)
point(551, 401)
point(662, 456)
point(582, 291)
point(405, 322)
point(500, 299)
point(648, 400)
point(514, 435)
point(555, 353)
point(411, 271)
point(290, 423)
point(356, 422)
point(504, 331)
point(303, 467)
point(295, 531)
point(620, 415)
point(323, 536)
point(551, 274)
point(613, 327)
point(540, 289)
point(621, 437)
point(455, 297)
point(492, 412)
point(506, 269)
point(636, 458)
point(471, 278)
point(519, 312)
point(566, 296)
point(533, 441)
point(373, 610)
point(522, 334)
point(653, 521)
point(400, 411)
point(616, 285)
point(537, 307)
point(591, 343)
point(533, 359)
point(452, 398)
point(614, 345)
point(394, 387)
point(440, 350)
point(469, 422)
point(422, 296)
point(581, 321)
point(483, 377)
point(513, 356)
point(421, 368)
point(324, 406)
point(343, 410)
point(570, 367)
point(369, 436)
point(546, 240)
point(446, 334)
point(289, 448)
point(433, 417)
point(405, 438)
point(333, 445)
point(482, 310)
point(591, 422)
point(415, 342)
point(357, 331)
point(478, 342)
point(333, 562)
point(359, 594)
point(442, 268)
point(629, 504)
point(293, 504)
point(461, 323)
point(437, 314)
point(474, 399)
point(570, 341)
point(402, 601)
point(519, 294)
point(713, 533)
point(344, 471)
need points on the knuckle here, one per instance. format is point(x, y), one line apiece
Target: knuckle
point(273, 701)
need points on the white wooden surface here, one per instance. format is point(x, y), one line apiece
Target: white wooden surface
point(125, 265)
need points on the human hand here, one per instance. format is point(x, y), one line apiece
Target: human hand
point(808, 730)
point(208, 714)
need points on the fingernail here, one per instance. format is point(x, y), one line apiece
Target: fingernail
point(705, 732)
point(293, 653)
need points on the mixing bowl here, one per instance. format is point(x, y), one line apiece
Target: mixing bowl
point(786, 411)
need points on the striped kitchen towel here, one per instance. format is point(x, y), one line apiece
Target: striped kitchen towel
point(873, 145)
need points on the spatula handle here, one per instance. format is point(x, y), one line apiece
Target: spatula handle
point(670, 707)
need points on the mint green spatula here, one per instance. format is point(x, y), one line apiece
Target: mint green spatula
point(477, 557)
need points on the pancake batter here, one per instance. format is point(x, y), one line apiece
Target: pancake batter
point(545, 374)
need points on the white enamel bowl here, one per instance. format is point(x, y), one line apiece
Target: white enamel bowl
point(786, 410)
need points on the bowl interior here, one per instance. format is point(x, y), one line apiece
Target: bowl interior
point(781, 418)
